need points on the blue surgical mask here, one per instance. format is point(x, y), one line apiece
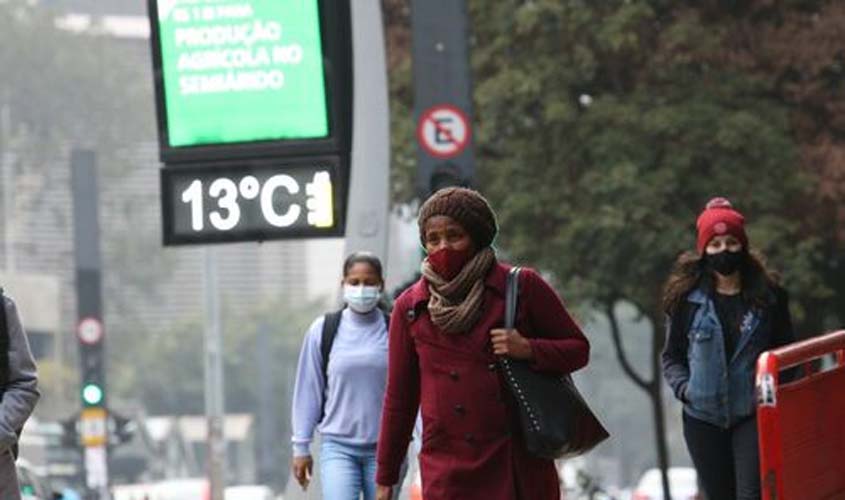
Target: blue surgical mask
point(361, 299)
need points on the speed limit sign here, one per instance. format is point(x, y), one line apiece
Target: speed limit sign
point(90, 331)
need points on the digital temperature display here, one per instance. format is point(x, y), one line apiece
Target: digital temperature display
point(252, 201)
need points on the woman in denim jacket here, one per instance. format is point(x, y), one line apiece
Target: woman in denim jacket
point(724, 308)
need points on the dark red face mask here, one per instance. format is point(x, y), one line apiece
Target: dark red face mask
point(447, 263)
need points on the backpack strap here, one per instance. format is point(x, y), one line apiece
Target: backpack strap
point(331, 323)
point(386, 316)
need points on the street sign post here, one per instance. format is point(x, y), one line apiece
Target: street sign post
point(90, 331)
point(442, 96)
point(443, 131)
point(93, 426)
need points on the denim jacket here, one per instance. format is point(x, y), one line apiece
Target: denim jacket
point(715, 389)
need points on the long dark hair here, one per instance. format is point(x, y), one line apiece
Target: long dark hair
point(690, 272)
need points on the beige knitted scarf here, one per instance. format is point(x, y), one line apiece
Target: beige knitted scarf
point(455, 305)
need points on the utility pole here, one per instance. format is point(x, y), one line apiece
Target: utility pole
point(367, 215)
point(214, 404)
point(442, 95)
point(90, 331)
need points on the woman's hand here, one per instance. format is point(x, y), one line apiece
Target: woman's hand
point(302, 467)
point(383, 492)
point(510, 343)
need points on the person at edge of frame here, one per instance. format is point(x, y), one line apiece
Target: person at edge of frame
point(724, 307)
point(18, 394)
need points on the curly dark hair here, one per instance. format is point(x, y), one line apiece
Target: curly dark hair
point(690, 272)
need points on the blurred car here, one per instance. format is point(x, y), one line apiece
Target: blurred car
point(248, 492)
point(182, 489)
point(33, 485)
point(170, 489)
point(683, 485)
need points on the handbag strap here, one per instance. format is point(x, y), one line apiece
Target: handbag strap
point(511, 293)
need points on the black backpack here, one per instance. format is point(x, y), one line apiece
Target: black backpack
point(331, 322)
point(4, 356)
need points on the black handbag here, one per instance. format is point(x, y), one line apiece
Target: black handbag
point(554, 418)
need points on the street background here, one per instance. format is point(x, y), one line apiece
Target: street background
point(600, 130)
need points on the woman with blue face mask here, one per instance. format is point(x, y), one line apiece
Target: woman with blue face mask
point(340, 384)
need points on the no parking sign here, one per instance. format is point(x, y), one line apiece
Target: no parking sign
point(443, 131)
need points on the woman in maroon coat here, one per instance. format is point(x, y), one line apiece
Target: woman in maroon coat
point(445, 335)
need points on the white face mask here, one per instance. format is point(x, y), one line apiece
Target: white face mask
point(361, 299)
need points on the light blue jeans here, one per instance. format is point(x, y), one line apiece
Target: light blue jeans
point(347, 471)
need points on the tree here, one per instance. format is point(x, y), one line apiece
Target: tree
point(99, 87)
point(403, 147)
point(603, 130)
point(62, 90)
point(162, 371)
point(797, 46)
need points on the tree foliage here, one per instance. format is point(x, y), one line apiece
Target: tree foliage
point(163, 372)
point(63, 89)
point(596, 119)
point(99, 87)
point(602, 128)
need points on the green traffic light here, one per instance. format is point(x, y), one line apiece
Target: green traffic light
point(92, 394)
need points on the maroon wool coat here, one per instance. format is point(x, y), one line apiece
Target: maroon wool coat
point(471, 448)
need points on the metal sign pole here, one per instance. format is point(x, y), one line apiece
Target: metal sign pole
point(87, 260)
point(442, 94)
point(366, 227)
point(214, 378)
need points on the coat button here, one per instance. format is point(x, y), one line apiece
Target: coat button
point(460, 410)
point(469, 437)
point(491, 367)
point(453, 375)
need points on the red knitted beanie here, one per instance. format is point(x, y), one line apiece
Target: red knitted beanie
point(718, 218)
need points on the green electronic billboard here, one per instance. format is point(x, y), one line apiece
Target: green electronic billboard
point(240, 71)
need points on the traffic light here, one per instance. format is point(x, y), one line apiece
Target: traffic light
point(92, 394)
point(92, 387)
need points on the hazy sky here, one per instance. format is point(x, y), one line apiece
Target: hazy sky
point(122, 7)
